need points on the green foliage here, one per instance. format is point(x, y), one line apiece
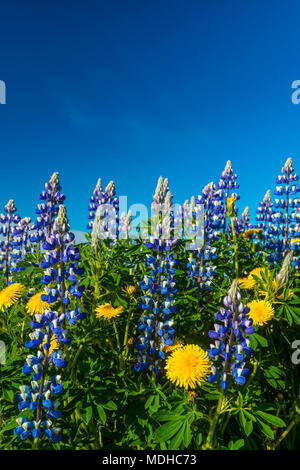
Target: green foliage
point(107, 405)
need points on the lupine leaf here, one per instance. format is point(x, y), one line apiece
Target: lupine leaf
point(271, 419)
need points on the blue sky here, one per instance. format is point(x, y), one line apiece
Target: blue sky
point(131, 90)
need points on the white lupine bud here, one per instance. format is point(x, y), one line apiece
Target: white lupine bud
point(10, 206)
point(98, 187)
point(283, 275)
point(61, 223)
point(54, 182)
point(267, 197)
point(228, 168)
point(193, 204)
point(245, 214)
point(110, 189)
point(288, 166)
point(234, 292)
point(159, 191)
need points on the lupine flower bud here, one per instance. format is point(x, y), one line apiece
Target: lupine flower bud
point(231, 346)
point(283, 275)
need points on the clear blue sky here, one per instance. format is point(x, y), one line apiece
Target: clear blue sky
point(133, 89)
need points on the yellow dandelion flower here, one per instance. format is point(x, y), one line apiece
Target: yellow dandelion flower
point(252, 231)
point(176, 345)
point(249, 282)
point(257, 272)
point(36, 305)
point(246, 283)
point(10, 294)
point(107, 311)
point(54, 345)
point(188, 366)
point(130, 290)
point(248, 233)
point(261, 311)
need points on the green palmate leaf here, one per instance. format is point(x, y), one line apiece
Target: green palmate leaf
point(249, 415)
point(155, 406)
point(271, 419)
point(248, 428)
point(149, 401)
point(101, 413)
point(164, 397)
point(187, 435)
point(295, 315)
point(110, 405)
point(87, 415)
point(254, 342)
point(169, 417)
point(10, 425)
point(275, 376)
point(122, 301)
point(236, 445)
point(275, 372)
point(167, 431)
point(289, 317)
point(242, 419)
point(177, 439)
point(190, 297)
point(162, 446)
point(265, 429)
point(9, 395)
point(260, 340)
point(199, 439)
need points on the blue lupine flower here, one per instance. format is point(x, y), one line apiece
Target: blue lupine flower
point(285, 222)
point(227, 183)
point(14, 243)
point(103, 214)
point(158, 285)
point(232, 343)
point(52, 197)
point(200, 260)
point(61, 264)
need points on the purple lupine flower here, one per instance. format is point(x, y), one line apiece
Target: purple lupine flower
point(231, 346)
point(159, 284)
point(61, 264)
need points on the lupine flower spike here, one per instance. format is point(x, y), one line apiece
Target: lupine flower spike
point(159, 285)
point(61, 264)
point(285, 222)
point(47, 210)
point(231, 347)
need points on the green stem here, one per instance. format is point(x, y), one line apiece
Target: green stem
point(225, 424)
point(125, 342)
point(235, 247)
point(127, 329)
point(252, 375)
point(72, 374)
point(117, 335)
point(209, 444)
point(224, 225)
point(284, 434)
point(35, 444)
